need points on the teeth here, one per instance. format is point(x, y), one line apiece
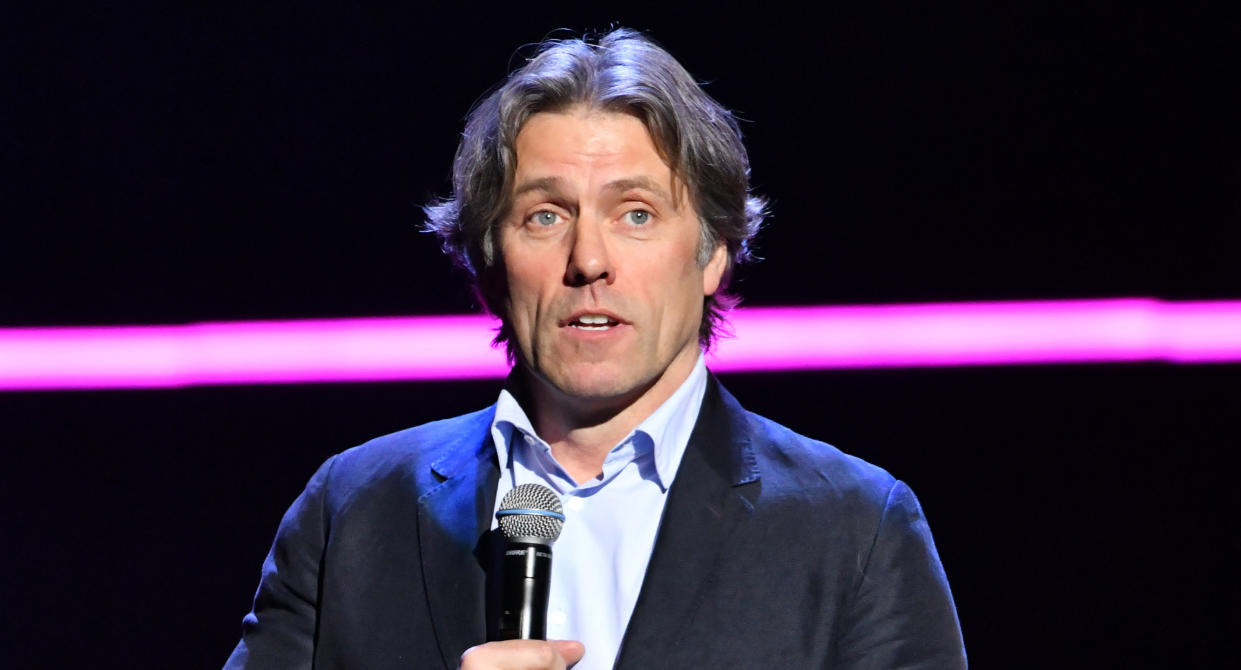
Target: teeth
point(592, 322)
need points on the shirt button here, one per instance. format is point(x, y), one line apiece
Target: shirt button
point(575, 503)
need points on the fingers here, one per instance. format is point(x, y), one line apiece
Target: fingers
point(571, 651)
point(522, 655)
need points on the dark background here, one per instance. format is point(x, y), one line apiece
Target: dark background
point(166, 166)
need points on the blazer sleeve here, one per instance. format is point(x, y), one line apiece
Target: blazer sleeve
point(279, 631)
point(902, 614)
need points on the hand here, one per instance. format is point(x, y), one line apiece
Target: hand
point(523, 655)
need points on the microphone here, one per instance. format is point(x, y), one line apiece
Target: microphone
point(530, 517)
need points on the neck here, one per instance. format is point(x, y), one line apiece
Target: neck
point(581, 431)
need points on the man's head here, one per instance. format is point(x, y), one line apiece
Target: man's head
point(624, 73)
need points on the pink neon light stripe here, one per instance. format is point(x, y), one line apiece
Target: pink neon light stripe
point(767, 339)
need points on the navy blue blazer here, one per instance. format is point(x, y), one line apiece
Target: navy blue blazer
point(774, 551)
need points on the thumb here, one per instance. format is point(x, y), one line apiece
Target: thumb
point(571, 650)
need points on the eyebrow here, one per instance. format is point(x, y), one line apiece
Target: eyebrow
point(546, 184)
point(555, 186)
point(642, 183)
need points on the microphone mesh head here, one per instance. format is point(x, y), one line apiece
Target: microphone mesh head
point(544, 519)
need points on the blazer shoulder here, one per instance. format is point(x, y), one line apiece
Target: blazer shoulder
point(413, 452)
point(789, 460)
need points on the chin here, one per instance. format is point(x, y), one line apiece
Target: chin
point(603, 381)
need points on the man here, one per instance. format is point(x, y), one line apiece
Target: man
point(601, 199)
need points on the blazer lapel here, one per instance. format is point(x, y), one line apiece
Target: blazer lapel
point(454, 517)
point(711, 497)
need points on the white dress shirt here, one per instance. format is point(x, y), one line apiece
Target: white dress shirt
point(600, 559)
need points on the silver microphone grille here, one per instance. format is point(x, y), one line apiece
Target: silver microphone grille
point(531, 511)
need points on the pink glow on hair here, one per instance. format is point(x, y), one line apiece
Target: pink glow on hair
point(767, 339)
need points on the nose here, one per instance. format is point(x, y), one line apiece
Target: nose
point(588, 255)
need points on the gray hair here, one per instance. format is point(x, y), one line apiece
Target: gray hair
point(623, 72)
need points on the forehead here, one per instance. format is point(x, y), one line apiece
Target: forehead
point(583, 138)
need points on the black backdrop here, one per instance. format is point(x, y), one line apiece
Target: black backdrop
point(166, 166)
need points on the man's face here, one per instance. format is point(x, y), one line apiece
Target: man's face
point(600, 249)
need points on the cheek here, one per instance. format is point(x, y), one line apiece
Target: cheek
point(675, 284)
point(519, 268)
point(525, 283)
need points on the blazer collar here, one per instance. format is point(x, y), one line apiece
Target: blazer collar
point(454, 518)
point(724, 436)
point(713, 495)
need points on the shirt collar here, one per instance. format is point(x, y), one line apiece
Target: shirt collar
point(667, 429)
point(510, 421)
point(670, 425)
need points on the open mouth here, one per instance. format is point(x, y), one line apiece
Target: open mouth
point(593, 322)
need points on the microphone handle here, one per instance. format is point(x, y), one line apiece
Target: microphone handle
point(527, 580)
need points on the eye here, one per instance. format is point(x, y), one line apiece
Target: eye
point(545, 218)
point(638, 217)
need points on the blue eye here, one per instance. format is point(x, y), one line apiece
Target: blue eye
point(545, 218)
point(639, 217)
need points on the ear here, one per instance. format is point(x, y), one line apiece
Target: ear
point(714, 271)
